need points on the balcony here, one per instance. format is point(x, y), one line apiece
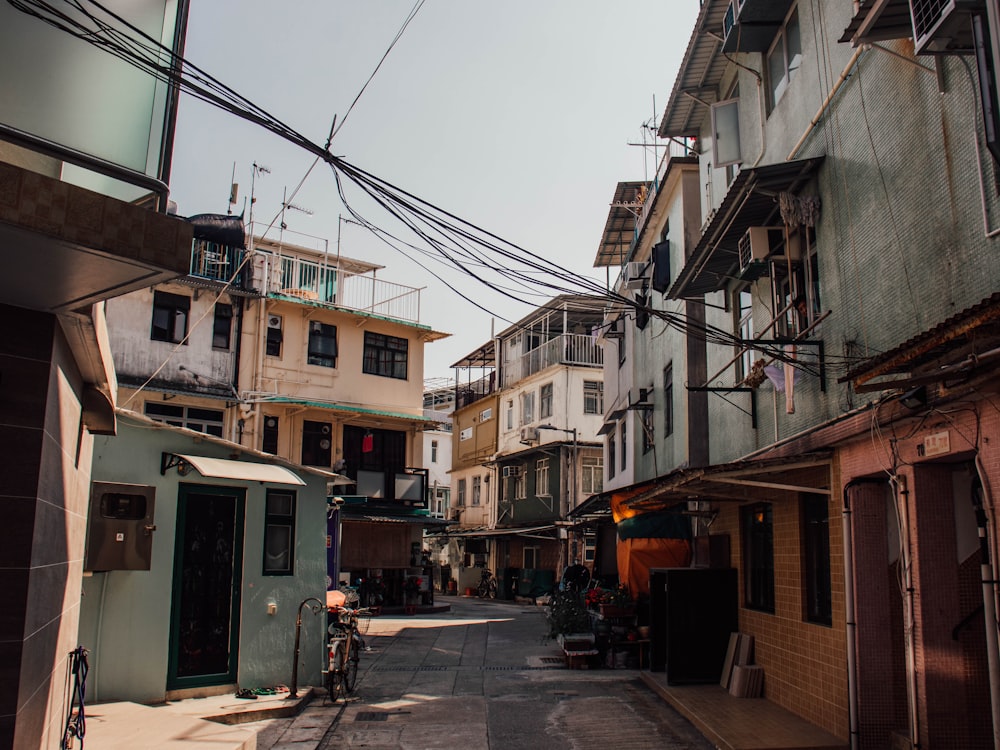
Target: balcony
point(571, 349)
point(330, 285)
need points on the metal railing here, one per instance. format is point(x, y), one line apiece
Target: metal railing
point(578, 349)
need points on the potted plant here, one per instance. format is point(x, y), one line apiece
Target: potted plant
point(617, 602)
point(567, 616)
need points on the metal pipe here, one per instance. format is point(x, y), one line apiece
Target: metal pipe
point(293, 690)
point(826, 102)
point(983, 521)
point(901, 499)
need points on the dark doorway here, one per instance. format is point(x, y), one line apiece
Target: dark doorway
point(208, 561)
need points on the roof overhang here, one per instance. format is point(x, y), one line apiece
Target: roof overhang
point(738, 481)
point(363, 516)
point(225, 468)
point(752, 201)
point(494, 533)
point(697, 84)
point(345, 408)
point(619, 229)
point(951, 352)
point(878, 20)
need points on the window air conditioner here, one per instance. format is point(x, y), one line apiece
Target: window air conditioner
point(943, 26)
point(635, 275)
point(754, 247)
point(639, 396)
point(529, 434)
point(510, 472)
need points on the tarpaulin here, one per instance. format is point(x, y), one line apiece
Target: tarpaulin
point(637, 556)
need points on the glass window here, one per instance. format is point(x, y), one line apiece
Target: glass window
point(272, 345)
point(520, 484)
point(477, 490)
point(593, 397)
point(612, 455)
point(209, 421)
point(545, 402)
point(668, 400)
point(592, 474)
point(648, 430)
point(269, 440)
point(279, 533)
point(743, 309)
point(623, 431)
point(222, 327)
point(784, 58)
point(542, 477)
point(532, 558)
point(322, 344)
point(726, 127)
point(386, 355)
point(170, 317)
point(589, 545)
point(816, 548)
point(758, 557)
point(527, 408)
point(510, 415)
point(460, 500)
point(434, 451)
point(316, 443)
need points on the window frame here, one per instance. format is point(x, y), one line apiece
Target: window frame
point(775, 91)
point(195, 418)
point(527, 400)
point(222, 327)
point(273, 338)
point(177, 309)
point(668, 399)
point(316, 353)
point(545, 396)
point(269, 434)
point(592, 474)
point(593, 391)
point(612, 462)
point(477, 490)
point(817, 594)
point(314, 431)
point(521, 483)
point(276, 520)
point(386, 356)
point(542, 476)
point(460, 495)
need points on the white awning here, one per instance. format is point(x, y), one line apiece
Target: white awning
point(224, 468)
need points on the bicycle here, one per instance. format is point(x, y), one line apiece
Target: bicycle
point(344, 650)
point(487, 585)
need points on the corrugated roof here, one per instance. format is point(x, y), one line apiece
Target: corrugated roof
point(619, 229)
point(878, 20)
point(333, 406)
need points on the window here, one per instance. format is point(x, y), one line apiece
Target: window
point(589, 545)
point(592, 474)
point(272, 346)
point(743, 321)
point(316, 443)
point(668, 400)
point(783, 59)
point(385, 355)
point(532, 558)
point(621, 349)
point(170, 317)
point(545, 402)
point(434, 451)
point(279, 533)
point(612, 455)
point(269, 440)
point(486, 414)
point(726, 127)
point(509, 421)
point(816, 549)
point(623, 431)
point(542, 477)
point(477, 490)
point(593, 397)
point(661, 264)
point(222, 327)
point(520, 484)
point(322, 344)
point(209, 421)
point(527, 408)
point(758, 557)
point(648, 430)
point(460, 500)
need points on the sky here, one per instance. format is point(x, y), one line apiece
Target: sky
point(515, 116)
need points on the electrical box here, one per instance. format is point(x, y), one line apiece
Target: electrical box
point(120, 527)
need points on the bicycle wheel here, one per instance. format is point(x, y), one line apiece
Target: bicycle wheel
point(351, 667)
point(335, 675)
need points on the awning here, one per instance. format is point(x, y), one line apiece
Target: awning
point(346, 515)
point(952, 350)
point(878, 20)
point(346, 408)
point(752, 201)
point(735, 481)
point(224, 468)
point(619, 229)
point(525, 531)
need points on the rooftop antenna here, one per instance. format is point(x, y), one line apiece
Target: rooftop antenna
point(257, 169)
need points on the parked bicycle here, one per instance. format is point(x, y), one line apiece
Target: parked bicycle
point(345, 649)
point(487, 585)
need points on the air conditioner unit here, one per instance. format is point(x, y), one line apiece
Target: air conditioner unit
point(529, 434)
point(635, 275)
point(751, 25)
point(274, 321)
point(639, 396)
point(511, 472)
point(943, 26)
point(754, 247)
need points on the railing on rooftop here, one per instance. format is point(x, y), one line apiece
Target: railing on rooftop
point(217, 262)
point(577, 349)
point(326, 284)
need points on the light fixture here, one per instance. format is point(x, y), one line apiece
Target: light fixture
point(915, 399)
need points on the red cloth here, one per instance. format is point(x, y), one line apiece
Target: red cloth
point(637, 556)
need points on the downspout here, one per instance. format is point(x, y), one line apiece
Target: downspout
point(236, 358)
point(849, 614)
point(983, 507)
point(258, 384)
point(826, 102)
point(901, 498)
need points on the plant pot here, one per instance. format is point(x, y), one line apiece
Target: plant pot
point(617, 610)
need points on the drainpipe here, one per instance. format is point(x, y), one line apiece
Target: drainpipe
point(983, 521)
point(849, 615)
point(826, 102)
point(901, 497)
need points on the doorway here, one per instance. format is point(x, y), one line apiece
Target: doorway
point(208, 564)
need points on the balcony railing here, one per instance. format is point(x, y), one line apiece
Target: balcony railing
point(327, 284)
point(577, 349)
point(217, 262)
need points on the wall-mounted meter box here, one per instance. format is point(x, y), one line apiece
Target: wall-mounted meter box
point(120, 528)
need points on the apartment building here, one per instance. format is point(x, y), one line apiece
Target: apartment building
point(844, 262)
point(83, 201)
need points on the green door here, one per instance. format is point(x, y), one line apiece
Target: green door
point(208, 561)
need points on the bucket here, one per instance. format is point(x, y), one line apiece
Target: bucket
point(470, 591)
